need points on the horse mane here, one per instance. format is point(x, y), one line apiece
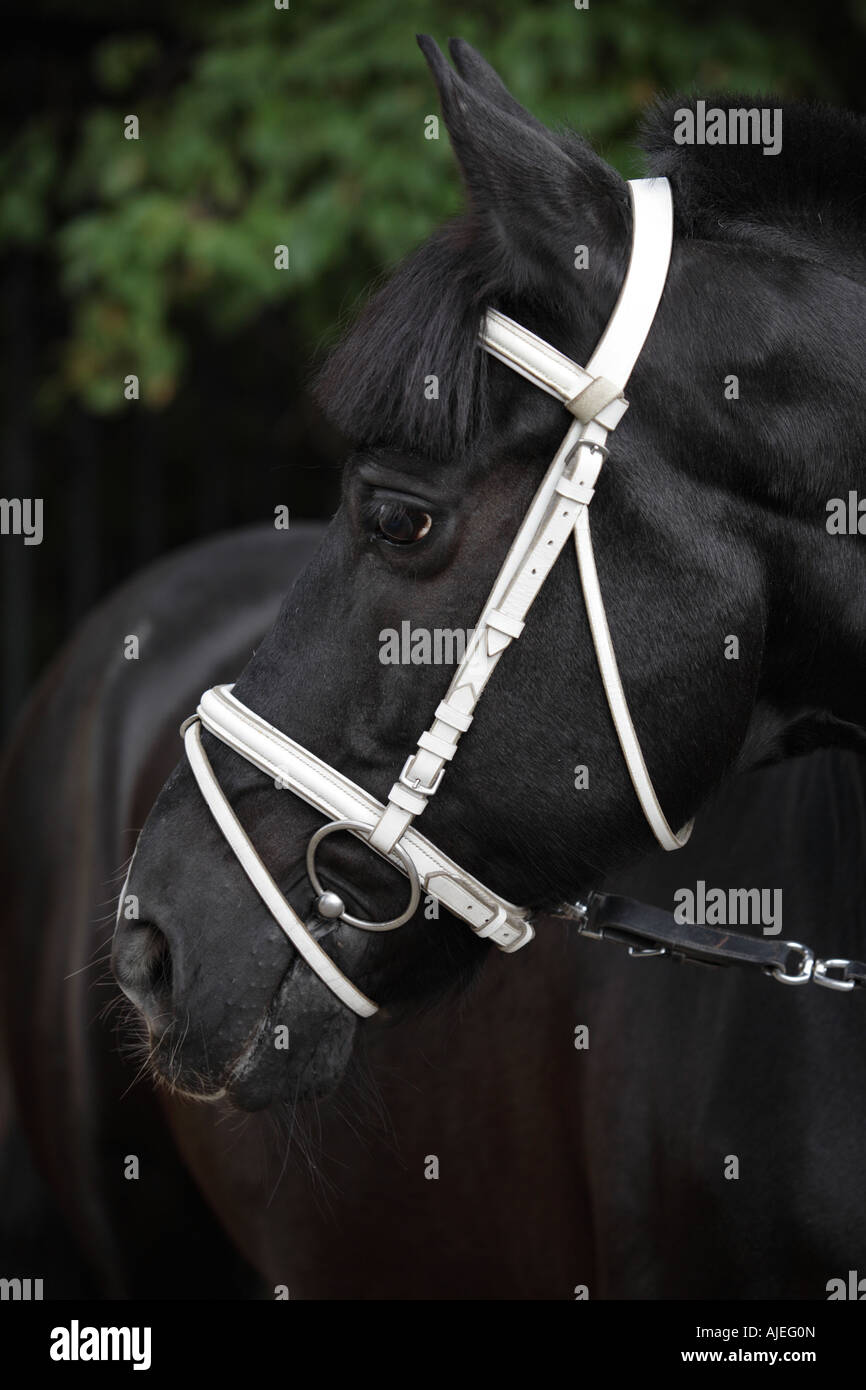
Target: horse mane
point(806, 201)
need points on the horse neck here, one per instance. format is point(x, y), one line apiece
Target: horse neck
point(810, 446)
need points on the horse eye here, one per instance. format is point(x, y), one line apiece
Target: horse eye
point(402, 525)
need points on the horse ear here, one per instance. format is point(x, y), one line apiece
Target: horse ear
point(540, 192)
point(483, 79)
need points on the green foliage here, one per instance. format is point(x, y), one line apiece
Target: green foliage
point(261, 126)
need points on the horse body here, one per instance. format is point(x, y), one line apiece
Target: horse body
point(288, 1207)
point(460, 1144)
point(533, 1198)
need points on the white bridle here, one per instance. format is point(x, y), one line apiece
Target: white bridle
point(594, 396)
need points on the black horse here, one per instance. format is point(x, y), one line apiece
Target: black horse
point(707, 1142)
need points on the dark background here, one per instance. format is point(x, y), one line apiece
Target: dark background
point(258, 127)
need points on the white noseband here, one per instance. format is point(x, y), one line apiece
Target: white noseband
point(594, 396)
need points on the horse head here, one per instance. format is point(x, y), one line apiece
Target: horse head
point(737, 619)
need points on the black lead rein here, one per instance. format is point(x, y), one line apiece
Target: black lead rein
point(650, 931)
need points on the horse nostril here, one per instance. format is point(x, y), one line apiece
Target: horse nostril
point(143, 968)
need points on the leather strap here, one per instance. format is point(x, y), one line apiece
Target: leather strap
point(595, 398)
point(285, 917)
point(650, 931)
point(560, 506)
point(539, 546)
point(544, 366)
point(590, 403)
point(617, 703)
point(339, 798)
point(615, 918)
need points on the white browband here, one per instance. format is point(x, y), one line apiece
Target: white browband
point(594, 397)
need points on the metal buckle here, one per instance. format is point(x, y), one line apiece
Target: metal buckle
point(578, 912)
point(807, 965)
point(413, 784)
point(821, 977)
point(588, 444)
point(638, 952)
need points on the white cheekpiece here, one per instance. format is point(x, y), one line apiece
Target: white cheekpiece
point(594, 395)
